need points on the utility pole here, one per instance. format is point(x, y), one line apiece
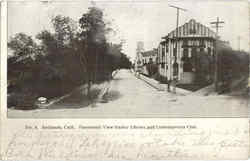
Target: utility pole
point(216, 73)
point(175, 65)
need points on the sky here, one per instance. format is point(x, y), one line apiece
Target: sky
point(136, 20)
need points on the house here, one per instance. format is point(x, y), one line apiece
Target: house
point(146, 59)
point(149, 56)
point(187, 52)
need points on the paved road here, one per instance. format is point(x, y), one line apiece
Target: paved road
point(129, 96)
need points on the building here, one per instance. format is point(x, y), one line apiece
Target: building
point(138, 57)
point(149, 56)
point(186, 52)
point(148, 59)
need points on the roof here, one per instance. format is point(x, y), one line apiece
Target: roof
point(149, 53)
point(192, 28)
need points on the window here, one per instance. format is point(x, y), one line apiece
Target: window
point(185, 52)
point(162, 65)
point(163, 51)
point(175, 52)
point(193, 28)
point(185, 43)
point(202, 43)
point(176, 68)
point(166, 49)
point(209, 51)
point(193, 52)
point(150, 60)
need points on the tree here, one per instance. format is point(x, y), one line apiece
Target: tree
point(125, 62)
point(61, 48)
point(70, 55)
point(22, 45)
point(65, 30)
point(21, 61)
point(204, 67)
point(93, 40)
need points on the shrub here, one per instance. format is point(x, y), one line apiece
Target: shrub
point(22, 101)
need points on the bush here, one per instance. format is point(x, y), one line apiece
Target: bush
point(22, 101)
point(234, 62)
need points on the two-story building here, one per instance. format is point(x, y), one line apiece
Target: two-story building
point(187, 52)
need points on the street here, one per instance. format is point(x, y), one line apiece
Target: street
point(129, 97)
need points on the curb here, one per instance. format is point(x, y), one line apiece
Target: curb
point(161, 87)
point(141, 77)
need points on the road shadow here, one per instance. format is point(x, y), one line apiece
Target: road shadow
point(118, 79)
point(111, 96)
point(77, 99)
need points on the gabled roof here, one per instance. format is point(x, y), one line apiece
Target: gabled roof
point(192, 28)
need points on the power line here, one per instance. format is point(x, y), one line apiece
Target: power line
point(217, 23)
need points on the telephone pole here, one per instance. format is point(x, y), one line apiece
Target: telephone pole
point(177, 25)
point(216, 73)
point(175, 65)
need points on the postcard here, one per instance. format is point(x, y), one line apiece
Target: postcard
point(124, 79)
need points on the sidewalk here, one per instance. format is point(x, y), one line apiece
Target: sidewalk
point(161, 87)
point(78, 97)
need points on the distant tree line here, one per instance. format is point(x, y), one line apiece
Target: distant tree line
point(74, 53)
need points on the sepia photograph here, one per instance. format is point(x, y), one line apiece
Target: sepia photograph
point(128, 59)
point(125, 79)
